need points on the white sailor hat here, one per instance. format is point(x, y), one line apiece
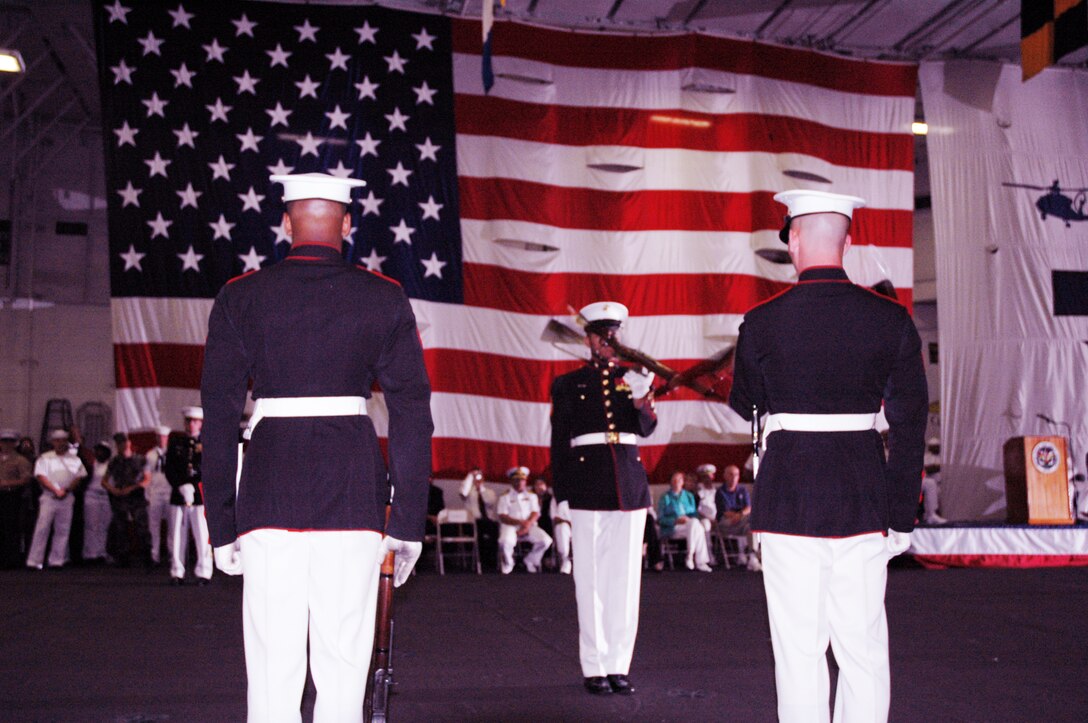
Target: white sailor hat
point(517, 473)
point(603, 315)
point(707, 469)
point(801, 202)
point(192, 412)
point(162, 430)
point(298, 186)
point(933, 442)
point(58, 434)
point(9, 434)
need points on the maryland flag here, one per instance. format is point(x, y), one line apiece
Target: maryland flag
point(1049, 30)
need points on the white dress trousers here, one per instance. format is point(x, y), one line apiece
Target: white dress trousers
point(820, 591)
point(53, 516)
point(317, 584)
point(186, 521)
point(607, 587)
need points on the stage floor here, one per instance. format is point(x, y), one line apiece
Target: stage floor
point(123, 645)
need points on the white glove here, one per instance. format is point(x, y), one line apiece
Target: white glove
point(188, 493)
point(228, 558)
point(639, 380)
point(406, 554)
point(897, 542)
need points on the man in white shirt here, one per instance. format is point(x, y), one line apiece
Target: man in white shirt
point(58, 471)
point(158, 494)
point(519, 509)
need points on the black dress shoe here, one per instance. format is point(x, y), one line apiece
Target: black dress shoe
point(620, 685)
point(598, 685)
point(176, 581)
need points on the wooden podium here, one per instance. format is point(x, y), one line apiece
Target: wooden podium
point(1037, 481)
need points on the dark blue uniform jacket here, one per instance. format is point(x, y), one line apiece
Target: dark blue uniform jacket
point(826, 346)
point(599, 476)
point(314, 325)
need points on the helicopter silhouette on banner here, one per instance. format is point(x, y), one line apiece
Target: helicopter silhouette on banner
point(1055, 203)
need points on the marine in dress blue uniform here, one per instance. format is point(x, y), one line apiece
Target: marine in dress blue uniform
point(598, 412)
point(304, 525)
point(820, 359)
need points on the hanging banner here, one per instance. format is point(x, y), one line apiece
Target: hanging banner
point(1009, 178)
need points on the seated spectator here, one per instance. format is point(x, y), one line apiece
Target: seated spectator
point(704, 497)
point(96, 507)
point(481, 503)
point(677, 518)
point(124, 481)
point(436, 502)
point(544, 495)
point(16, 473)
point(734, 508)
point(58, 471)
point(560, 518)
point(931, 483)
point(519, 510)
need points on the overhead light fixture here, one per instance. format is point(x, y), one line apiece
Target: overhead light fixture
point(919, 128)
point(11, 61)
point(679, 121)
point(805, 175)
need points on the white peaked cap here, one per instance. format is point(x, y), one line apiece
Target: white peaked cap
point(9, 433)
point(706, 469)
point(298, 186)
point(58, 434)
point(801, 202)
point(192, 412)
point(604, 311)
point(162, 430)
point(513, 472)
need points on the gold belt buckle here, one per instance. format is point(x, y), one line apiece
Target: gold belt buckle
point(612, 437)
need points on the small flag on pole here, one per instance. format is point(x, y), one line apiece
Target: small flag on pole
point(487, 21)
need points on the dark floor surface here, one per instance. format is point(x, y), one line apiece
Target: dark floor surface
point(97, 644)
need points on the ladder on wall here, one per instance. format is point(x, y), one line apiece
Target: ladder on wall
point(58, 415)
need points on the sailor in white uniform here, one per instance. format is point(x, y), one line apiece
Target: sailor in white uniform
point(519, 510)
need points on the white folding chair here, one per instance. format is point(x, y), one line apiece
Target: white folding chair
point(456, 535)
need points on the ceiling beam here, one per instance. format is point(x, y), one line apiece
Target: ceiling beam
point(772, 17)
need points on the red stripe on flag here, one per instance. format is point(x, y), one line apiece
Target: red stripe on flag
point(740, 132)
point(158, 365)
point(681, 52)
point(454, 456)
point(597, 210)
point(529, 292)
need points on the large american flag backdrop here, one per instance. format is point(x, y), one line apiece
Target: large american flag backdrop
point(600, 166)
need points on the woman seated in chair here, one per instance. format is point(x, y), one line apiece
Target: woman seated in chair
point(677, 516)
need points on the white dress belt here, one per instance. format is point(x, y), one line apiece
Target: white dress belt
point(604, 438)
point(304, 407)
point(792, 422)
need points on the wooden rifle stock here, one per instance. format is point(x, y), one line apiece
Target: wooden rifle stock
point(380, 680)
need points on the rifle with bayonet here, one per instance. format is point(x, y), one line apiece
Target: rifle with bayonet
point(701, 377)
